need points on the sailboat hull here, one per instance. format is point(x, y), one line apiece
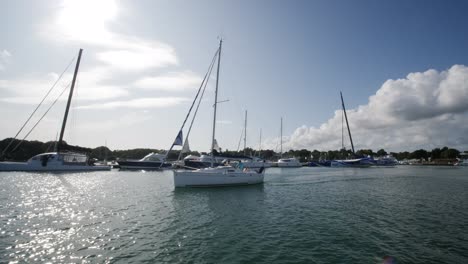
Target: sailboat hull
point(53, 162)
point(356, 163)
point(143, 165)
point(25, 166)
point(214, 177)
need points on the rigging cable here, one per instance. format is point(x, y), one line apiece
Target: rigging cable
point(47, 94)
point(204, 84)
point(240, 139)
point(50, 107)
point(190, 110)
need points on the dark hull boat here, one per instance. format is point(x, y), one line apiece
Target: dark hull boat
point(356, 163)
point(152, 161)
point(143, 165)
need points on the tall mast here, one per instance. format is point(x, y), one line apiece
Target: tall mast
point(215, 103)
point(245, 132)
point(260, 144)
point(342, 130)
point(347, 124)
point(281, 138)
point(65, 116)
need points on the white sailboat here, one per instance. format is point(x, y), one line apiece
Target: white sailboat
point(252, 162)
point(58, 161)
point(220, 175)
point(286, 162)
point(463, 160)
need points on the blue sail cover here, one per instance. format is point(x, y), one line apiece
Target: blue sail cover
point(179, 139)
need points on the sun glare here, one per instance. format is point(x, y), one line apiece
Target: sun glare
point(87, 20)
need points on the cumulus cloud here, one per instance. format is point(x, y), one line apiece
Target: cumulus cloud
point(4, 58)
point(424, 110)
point(139, 103)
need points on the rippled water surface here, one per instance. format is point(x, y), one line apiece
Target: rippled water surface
point(305, 215)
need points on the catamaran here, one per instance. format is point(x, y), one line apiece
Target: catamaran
point(219, 175)
point(60, 160)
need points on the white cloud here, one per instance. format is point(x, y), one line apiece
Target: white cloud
point(424, 110)
point(4, 58)
point(140, 55)
point(31, 89)
point(126, 120)
point(88, 22)
point(224, 122)
point(174, 81)
point(139, 103)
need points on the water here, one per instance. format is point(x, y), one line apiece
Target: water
point(305, 215)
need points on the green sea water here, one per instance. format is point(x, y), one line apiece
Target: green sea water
point(302, 215)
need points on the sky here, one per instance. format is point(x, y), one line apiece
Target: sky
point(402, 67)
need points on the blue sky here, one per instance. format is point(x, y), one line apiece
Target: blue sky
point(143, 61)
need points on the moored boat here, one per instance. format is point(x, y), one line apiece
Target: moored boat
point(463, 160)
point(289, 162)
point(357, 163)
point(219, 175)
point(53, 161)
point(152, 161)
point(60, 160)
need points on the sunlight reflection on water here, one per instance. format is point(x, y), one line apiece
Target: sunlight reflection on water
point(313, 215)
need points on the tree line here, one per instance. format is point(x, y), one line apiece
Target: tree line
point(28, 149)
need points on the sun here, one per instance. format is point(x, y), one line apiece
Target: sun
point(86, 20)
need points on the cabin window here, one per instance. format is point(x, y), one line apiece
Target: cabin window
point(74, 158)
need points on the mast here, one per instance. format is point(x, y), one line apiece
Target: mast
point(245, 132)
point(65, 116)
point(215, 103)
point(342, 130)
point(260, 144)
point(347, 124)
point(281, 138)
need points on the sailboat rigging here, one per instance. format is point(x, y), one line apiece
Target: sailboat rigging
point(58, 160)
point(355, 162)
point(219, 175)
point(286, 162)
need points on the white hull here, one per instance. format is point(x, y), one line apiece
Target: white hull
point(256, 164)
point(53, 162)
point(24, 166)
point(144, 168)
point(289, 163)
point(220, 176)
